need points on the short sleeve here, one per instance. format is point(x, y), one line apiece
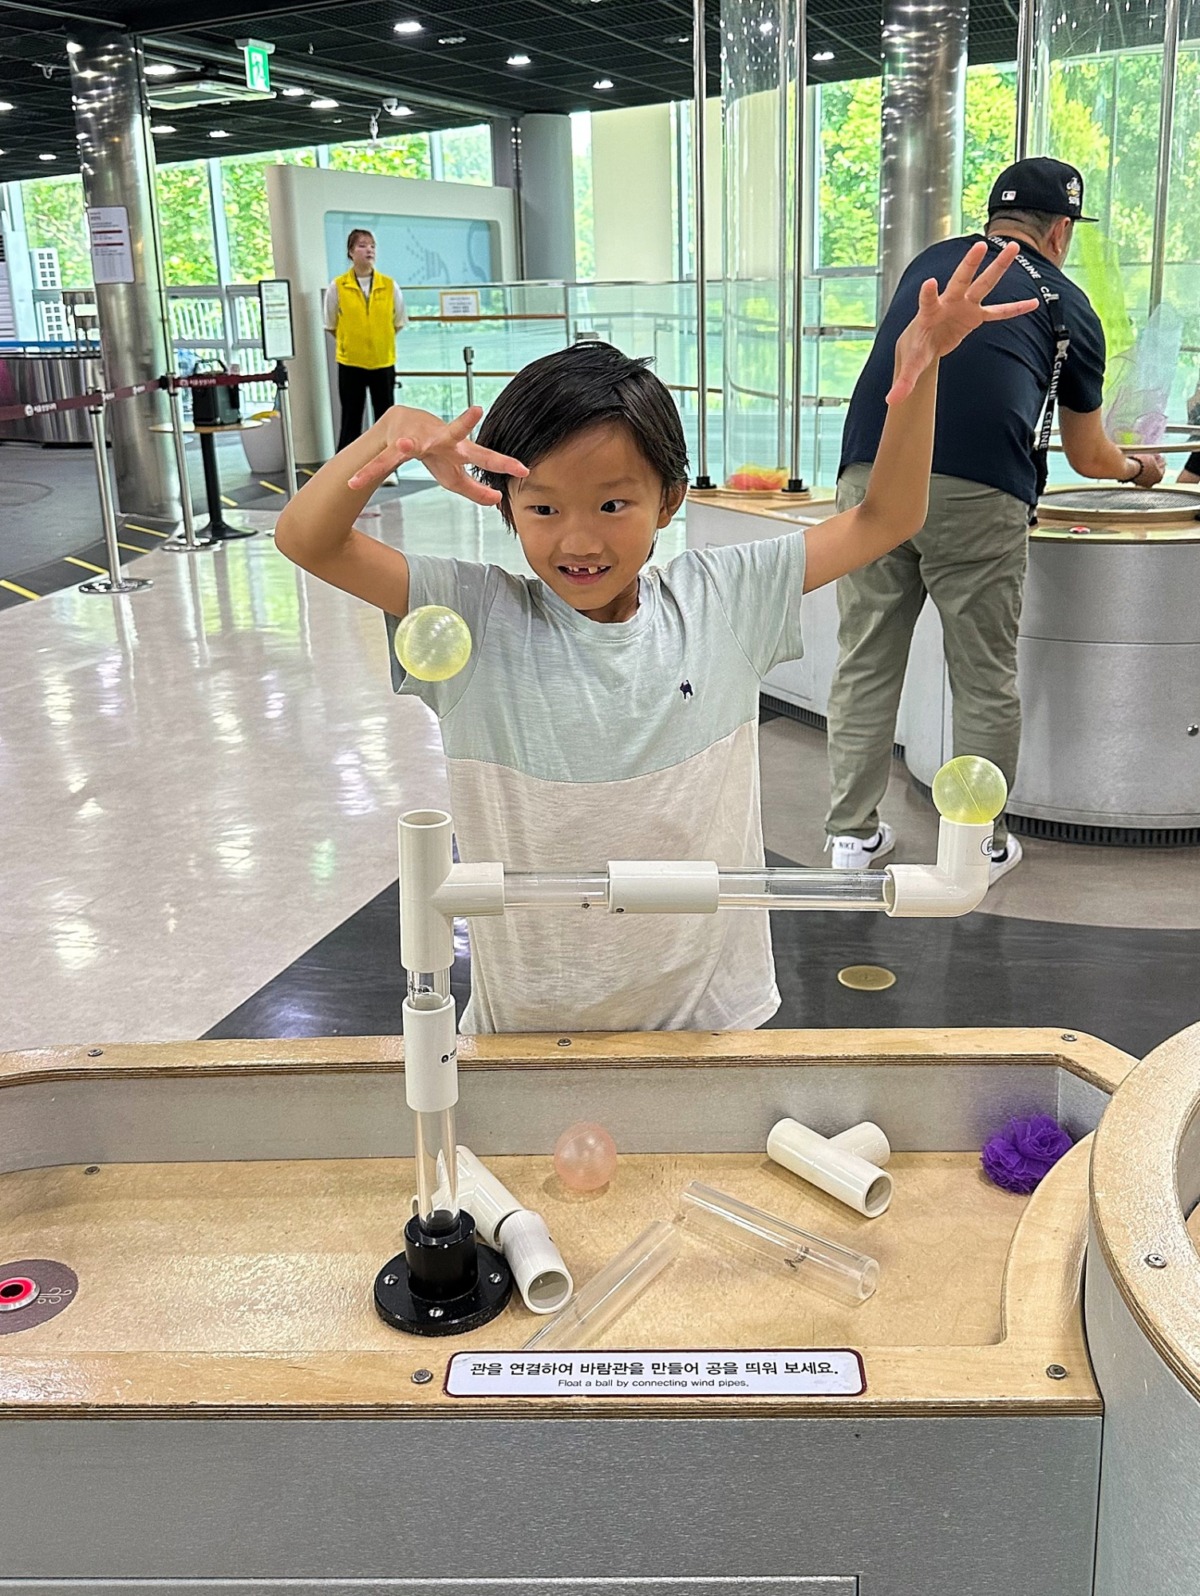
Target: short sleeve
point(760, 586)
point(399, 312)
point(462, 586)
point(1081, 387)
point(331, 308)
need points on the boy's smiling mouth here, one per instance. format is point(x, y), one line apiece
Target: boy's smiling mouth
point(583, 574)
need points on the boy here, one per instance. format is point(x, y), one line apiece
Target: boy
point(609, 710)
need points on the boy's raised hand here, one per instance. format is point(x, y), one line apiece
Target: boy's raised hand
point(944, 320)
point(443, 448)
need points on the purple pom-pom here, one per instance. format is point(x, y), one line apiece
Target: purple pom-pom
point(1024, 1152)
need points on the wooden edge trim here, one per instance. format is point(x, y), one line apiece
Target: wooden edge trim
point(1093, 1061)
point(1135, 1201)
point(1041, 1294)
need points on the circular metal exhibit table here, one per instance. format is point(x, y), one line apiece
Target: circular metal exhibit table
point(1143, 1323)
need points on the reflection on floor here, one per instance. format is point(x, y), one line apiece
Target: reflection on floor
point(200, 784)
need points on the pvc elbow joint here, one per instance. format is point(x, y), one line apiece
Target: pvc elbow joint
point(955, 885)
point(542, 1277)
point(844, 1166)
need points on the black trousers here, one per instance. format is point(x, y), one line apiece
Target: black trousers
point(354, 383)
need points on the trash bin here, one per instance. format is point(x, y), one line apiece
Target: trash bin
point(264, 445)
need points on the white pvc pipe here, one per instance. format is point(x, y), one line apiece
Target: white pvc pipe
point(831, 1168)
point(958, 882)
point(542, 1277)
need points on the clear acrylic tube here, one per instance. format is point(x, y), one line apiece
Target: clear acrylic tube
point(824, 1265)
point(610, 1292)
point(436, 1148)
point(525, 890)
point(803, 889)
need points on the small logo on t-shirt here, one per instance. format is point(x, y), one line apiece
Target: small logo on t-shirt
point(686, 689)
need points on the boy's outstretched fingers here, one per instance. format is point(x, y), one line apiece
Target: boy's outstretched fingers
point(385, 462)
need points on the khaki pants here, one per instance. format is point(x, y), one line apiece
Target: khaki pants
point(969, 558)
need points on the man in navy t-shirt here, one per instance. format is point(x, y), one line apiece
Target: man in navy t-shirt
point(969, 556)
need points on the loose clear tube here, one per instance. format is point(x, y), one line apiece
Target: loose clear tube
point(803, 889)
point(824, 1265)
point(608, 1294)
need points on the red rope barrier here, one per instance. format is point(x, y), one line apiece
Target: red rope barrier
point(107, 396)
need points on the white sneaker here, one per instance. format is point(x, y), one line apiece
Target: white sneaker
point(1002, 863)
point(860, 853)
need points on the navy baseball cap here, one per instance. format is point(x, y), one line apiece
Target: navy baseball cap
point(1040, 184)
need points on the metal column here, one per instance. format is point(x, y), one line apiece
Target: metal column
point(924, 85)
point(1027, 85)
point(801, 188)
point(117, 161)
point(699, 171)
point(1166, 134)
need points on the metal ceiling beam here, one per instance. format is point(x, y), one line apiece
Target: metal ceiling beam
point(306, 70)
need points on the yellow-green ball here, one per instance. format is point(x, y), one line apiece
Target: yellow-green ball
point(433, 643)
point(970, 790)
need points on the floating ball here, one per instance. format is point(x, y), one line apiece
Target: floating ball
point(433, 643)
point(969, 790)
point(585, 1157)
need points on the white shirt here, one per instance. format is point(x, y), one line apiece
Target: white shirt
point(570, 743)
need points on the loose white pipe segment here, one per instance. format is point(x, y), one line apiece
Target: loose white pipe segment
point(542, 1277)
point(831, 1166)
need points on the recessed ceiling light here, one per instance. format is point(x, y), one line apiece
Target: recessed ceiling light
point(678, 38)
point(5, 105)
point(292, 92)
point(47, 157)
point(766, 27)
point(408, 27)
point(161, 127)
point(602, 83)
point(823, 55)
point(324, 105)
point(518, 60)
point(453, 38)
point(217, 133)
point(161, 69)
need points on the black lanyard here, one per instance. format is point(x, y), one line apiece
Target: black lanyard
point(1062, 344)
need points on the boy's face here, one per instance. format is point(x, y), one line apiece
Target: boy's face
point(587, 516)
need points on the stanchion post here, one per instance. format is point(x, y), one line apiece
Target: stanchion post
point(699, 178)
point(469, 366)
point(285, 421)
point(116, 581)
point(189, 543)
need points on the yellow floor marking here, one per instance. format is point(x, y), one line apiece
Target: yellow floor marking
point(132, 526)
point(15, 587)
point(272, 487)
point(134, 548)
point(87, 565)
point(232, 503)
point(307, 472)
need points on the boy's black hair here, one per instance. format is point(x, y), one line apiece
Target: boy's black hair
point(585, 385)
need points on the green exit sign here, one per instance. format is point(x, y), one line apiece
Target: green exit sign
point(258, 64)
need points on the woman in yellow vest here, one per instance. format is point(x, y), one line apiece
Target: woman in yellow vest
point(364, 310)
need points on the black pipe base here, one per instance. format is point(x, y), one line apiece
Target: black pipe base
point(444, 1283)
point(795, 485)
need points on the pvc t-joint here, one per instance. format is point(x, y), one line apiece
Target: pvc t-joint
point(844, 1166)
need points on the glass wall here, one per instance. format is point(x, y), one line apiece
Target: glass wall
point(244, 199)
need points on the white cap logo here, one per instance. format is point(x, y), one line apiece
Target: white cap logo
point(1009, 194)
point(1074, 192)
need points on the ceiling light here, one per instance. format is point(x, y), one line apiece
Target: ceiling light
point(454, 38)
point(5, 105)
point(47, 157)
point(408, 27)
point(518, 60)
point(823, 55)
point(292, 92)
point(398, 110)
point(161, 69)
point(602, 83)
point(217, 133)
point(161, 127)
point(766, 27)
point(678, 38)
point(324, 105)
point(73, 48)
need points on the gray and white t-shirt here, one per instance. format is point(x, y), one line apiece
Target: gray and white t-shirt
point(570, 743)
